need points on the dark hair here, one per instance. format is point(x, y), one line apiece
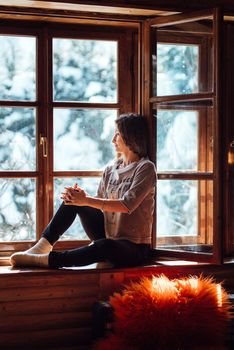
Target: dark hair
point(134, 131)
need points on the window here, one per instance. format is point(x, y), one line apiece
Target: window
point(182, 104)
point(60, 94)
point(177, 68)
point(18, 137)
point(84, 71)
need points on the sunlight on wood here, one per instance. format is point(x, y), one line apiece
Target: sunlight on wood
point(219, 295)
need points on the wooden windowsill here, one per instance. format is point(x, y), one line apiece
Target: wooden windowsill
point(170, 268)
point(157, 266)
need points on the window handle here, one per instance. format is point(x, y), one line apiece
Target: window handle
point(43, 143)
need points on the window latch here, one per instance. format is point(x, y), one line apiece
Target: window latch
point(43, 143)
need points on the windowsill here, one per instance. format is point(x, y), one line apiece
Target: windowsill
point(103, 268)
point(161, 265)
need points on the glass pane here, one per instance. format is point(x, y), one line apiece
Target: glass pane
point(85, 70)
point(82, 138)
point(90, 185)
point(185, 215)
point(17, 68)
point(17, 139)
point(17, 210)
point(177, 140)
point(177, 69)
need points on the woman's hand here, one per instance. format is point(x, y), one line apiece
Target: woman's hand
point(77, 196)
point(74, 196)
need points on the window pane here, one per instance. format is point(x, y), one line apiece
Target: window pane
point(85, 70)
point(82, 138)
point(177, 69)
point(17, 139)
point(17, 209)
point(177, 140)
point(17, 68)
point(185, 215)
point(90, 185)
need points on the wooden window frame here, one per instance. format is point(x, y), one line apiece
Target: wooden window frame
point(126, 102)
point(212, 95)
point(140, 87)
point(204, 172)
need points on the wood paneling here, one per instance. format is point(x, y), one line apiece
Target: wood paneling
point(43, 309)
point(52, 309)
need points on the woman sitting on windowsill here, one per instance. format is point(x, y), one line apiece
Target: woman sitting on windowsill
point(118, 220)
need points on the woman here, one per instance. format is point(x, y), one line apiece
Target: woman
point(118, 220)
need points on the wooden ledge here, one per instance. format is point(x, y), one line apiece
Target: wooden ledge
point(157, 266)
point(93, 268)
point(173, 268)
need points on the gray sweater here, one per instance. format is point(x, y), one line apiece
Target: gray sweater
point(134, 185)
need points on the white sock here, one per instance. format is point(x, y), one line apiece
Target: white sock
point(41, 247)
point(28, 259)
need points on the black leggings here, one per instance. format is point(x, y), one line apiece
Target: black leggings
point(118, 252)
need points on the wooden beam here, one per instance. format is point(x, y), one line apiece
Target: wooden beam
point(76, 6)
point(68, 18)
point(166, 5)
point(73, 12)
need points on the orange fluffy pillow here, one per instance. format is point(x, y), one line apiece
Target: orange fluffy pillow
point(159, 313)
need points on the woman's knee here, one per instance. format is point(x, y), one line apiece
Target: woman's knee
point(111, 250)
point(105, 244)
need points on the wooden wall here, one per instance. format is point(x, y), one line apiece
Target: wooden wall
point(52, 309)
point(43, 310)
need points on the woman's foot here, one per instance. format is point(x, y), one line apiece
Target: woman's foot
point(28, 259)
point(41, 247)
point(34, 256)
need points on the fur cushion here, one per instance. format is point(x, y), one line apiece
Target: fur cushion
point(159, 313)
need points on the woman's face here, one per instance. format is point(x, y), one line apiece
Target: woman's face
point(119, 143)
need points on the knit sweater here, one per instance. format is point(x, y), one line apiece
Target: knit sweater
point(134, 186)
